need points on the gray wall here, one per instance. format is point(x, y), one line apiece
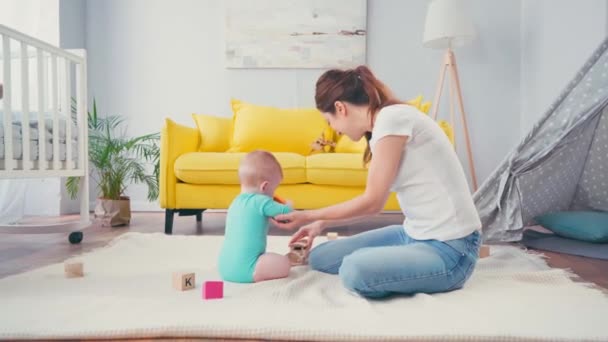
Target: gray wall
point(150, 59)
point(557, 38)
point(72, 24)
point(396, 53)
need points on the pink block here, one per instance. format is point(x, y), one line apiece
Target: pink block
point(213, 289)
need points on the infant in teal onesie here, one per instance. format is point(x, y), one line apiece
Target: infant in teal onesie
point(243, 257)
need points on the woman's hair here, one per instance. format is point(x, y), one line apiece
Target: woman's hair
point(357, 86)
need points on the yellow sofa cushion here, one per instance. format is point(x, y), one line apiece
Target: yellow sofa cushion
point(222, 168)
point(341, 169)
point(422, 106)
point(425, 107)
point(276, 129)
point(345, 145)
point(303, 196)
point(447, 129)
point(215, 132)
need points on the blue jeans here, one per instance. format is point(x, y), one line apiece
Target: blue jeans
point(386, 261)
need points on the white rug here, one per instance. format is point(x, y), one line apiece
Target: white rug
point(126, 292)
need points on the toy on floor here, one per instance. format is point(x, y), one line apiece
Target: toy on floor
point(298, 254)
point(213, 290)
point(183, 281)
point(332, 236)
point(484, 251)
point(74, 269)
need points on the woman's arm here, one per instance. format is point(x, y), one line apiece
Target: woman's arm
point(324, 224)
point(381, 174)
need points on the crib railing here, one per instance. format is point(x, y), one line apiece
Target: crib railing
point(52, 87)
point(44, 84)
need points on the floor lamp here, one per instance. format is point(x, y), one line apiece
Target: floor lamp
point(447, 26)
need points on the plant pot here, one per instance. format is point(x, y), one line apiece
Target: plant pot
point(113, 212)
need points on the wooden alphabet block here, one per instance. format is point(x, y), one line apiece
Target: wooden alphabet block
point(332, 236)
point(484, 251)
point(74, 269)
point(298, 254)
point(183, 281)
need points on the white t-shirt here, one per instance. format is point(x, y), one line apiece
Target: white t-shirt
point(430, 185)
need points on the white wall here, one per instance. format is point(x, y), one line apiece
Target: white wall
point(489, 70)
point(37, 18)
point(557, 38)
point(150, 59)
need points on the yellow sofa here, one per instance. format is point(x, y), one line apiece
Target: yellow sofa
point(198, 165)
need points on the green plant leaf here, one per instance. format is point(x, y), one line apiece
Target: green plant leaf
point(72, 185)
point(117, 160)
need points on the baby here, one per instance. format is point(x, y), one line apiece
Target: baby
point(243, 257)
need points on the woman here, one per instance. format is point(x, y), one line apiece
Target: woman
point(436, 248)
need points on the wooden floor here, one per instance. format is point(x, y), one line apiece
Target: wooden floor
point(21, 252)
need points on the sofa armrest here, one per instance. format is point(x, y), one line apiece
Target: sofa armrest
point(175, 140)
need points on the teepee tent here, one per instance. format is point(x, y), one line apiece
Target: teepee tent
point(562, 164)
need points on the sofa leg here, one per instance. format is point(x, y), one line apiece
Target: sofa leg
point(169, 214)
point(169, 221)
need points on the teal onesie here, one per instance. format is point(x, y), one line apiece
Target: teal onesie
point(245, 235)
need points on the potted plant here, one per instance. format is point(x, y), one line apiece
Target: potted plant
point(118, 161)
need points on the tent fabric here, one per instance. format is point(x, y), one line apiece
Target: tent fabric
point(592, 192)
point(561, 164)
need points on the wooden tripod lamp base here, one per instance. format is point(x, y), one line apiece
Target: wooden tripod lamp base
point(449, 65)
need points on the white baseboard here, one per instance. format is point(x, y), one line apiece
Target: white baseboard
point(145, 206)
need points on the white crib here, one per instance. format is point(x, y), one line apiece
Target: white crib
point(43, 132)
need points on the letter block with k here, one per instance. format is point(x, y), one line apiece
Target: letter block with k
point(183, 281)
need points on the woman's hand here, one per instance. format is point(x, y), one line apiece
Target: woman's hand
point(289, 203)
point(309, 232)
point(292, 220)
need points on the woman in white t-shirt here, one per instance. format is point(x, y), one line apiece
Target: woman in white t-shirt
point(436, 248)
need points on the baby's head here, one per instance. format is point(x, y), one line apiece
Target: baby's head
point(260, 171)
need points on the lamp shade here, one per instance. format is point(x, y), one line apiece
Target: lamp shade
point(447, 25)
